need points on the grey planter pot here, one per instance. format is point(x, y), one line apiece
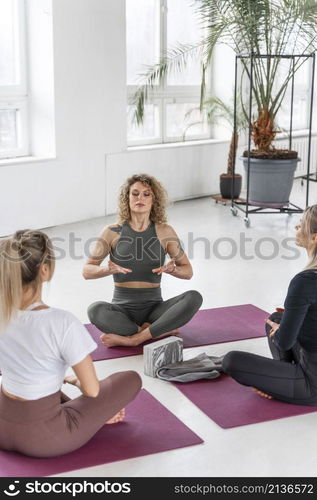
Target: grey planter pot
point(270, 181)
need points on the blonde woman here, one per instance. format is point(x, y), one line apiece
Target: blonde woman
point(137, 246)
point(37, 345)
point(292, 375)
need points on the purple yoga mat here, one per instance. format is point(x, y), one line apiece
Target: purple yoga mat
point(208, 326)
point(148, 428)
point(230, 404)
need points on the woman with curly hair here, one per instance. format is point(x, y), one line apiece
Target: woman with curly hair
point(137, 246)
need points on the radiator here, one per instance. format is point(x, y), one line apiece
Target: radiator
point(300, 144)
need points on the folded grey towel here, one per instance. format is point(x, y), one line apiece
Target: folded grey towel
point(202, 366)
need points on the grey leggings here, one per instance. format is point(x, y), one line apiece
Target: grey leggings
point(131, 307)
point(291, 376)
point(49, 427)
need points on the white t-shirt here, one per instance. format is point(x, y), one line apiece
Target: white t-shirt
point(37, 348)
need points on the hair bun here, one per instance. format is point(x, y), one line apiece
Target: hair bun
point(27, 236)
point(17, 244)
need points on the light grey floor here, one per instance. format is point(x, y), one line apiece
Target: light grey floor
point(258, 274)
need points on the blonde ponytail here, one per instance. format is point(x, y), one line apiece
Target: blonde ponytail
point(20, 259)
point(309, 228)
point(10, 281)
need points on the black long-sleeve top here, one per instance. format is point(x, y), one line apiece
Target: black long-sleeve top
point(299, 322)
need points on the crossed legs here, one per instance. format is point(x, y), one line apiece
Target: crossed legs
point(48, 427)
point(282, 377)
point(164, 319)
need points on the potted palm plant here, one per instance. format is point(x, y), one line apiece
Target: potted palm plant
point(271, 27)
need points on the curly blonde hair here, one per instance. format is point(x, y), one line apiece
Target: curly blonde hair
point(158, 211)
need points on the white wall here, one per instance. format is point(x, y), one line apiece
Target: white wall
point(90, 94)
point(186, 171)
point(87, 100)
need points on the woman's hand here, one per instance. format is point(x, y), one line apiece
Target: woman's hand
point(72, 379)
point(113, 268)
point(274, 327)
point(168, 268)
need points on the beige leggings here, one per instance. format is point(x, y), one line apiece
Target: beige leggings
point(49, 427)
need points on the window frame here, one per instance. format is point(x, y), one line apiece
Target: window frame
point(302, 90)
point(15, 96)
point(164, 94)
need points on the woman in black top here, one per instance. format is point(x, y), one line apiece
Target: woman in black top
point(292, 335)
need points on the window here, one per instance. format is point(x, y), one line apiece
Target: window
point(302, 94)
point(154, 26)
point(13, 90)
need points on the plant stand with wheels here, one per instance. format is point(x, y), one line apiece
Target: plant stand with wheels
point(252, 205)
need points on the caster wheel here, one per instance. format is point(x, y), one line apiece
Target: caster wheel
point(247, 222)
point(234, 211)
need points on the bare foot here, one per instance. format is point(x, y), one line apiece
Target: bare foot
point(117, 418)
point(261, 393)
point(71, 379)
point(144, 326)
point(113, 340)
point(172, 332)
point(167, 334)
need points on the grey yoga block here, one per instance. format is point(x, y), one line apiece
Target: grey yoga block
point(161, 353)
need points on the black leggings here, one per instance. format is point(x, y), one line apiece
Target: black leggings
point(131, 307)
point(291, 376)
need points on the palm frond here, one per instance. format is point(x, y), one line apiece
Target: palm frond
point(172, 62)
point(252, 27)
point(218, 112)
